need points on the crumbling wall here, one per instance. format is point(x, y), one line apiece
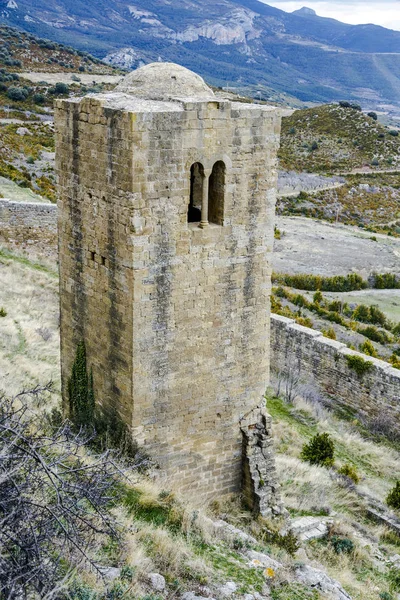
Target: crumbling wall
point(260, 479)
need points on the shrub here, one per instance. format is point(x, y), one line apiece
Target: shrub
point(375, 162)
point(17, 94)
point(314, 146)
point(344, 104)
point(374, 334)
point(80, 390)
point(358, 364)
point(39, 98)
point(342, 545)
point(373, 115)
point(393, 132)
point(385, 281)
point(362, 313)
point(319, 451)
point(393, 498)
point(349, 471)
point(30, 160)
point(3, 312)
point(318, 297)
point(53, 503)
point(368, 348)
point(338, 283)
point(59, 89)
point(356, 106)
point(329, 333)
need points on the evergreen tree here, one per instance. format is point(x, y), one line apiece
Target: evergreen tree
point(80, 390)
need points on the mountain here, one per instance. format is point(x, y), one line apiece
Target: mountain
point(305, 12)
point(243, 44)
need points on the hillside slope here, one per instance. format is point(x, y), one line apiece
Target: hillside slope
point(257, 47)
point(330, 138)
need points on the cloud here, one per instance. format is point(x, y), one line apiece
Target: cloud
point(385, 13)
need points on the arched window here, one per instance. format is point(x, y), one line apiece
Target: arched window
point(196, 192)
point(216, 194)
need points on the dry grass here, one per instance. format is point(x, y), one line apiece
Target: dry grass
point(29, 333)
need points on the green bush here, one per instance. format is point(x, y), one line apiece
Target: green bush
point(349, 471)
point(368, 348)
point(385, 281)
point(3, 312)
point(393, 498)
point(393, 132)
point(318, 298)
point(80, 390)
point(358, 364)
point(319, 451)
point(373, 115)
point(371, 332)
point(17, 94)
point(39, 98)
point(338, 283)
point(342, 545)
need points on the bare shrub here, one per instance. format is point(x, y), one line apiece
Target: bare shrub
point(54, 502)
point(286, 384)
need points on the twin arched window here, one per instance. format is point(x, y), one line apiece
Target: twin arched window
point(207, 194)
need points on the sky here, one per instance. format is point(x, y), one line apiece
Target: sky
point(379, 12)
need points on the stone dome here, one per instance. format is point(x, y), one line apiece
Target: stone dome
point(162, 81)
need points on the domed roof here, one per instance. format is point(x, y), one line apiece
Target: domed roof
point(162, 81)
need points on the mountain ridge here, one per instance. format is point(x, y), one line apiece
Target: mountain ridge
point(256, 47)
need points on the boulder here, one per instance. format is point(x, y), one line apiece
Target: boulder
point(320, 581)
point(156, 581)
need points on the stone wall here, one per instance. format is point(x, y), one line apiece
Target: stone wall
point(322, 362)
point(175, 317)
point(28, 221)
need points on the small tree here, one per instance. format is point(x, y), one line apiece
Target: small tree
point(393, 498)
point(373, 115)
point(80, 390)
point(320, 450)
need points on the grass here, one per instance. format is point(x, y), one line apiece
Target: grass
point(313, 490)
point(29, 337)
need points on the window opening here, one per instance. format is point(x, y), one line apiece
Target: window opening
point(216, 194)
point(196, 192)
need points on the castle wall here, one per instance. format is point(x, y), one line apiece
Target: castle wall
point(185, 309)
point(28, 221)
point(322, 362)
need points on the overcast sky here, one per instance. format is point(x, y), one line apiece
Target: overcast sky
point(380, 12)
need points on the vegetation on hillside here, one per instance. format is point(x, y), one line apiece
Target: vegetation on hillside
point(334, 139)
point(20, 51)
point(368, 200)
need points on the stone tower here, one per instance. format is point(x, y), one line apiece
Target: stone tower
point(166, 205)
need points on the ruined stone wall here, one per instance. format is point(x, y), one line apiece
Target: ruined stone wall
point(28, 221)
point(322, 362)
point(176, 322)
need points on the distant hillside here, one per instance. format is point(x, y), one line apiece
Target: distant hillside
point(243, 44)
point(330, 138)
point(21, 51)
